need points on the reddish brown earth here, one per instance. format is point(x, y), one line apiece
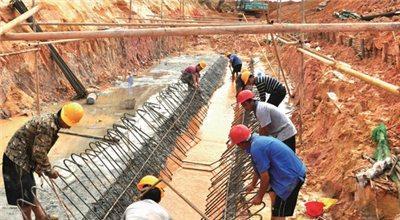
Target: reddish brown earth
point(96, 63)
point(334, 141)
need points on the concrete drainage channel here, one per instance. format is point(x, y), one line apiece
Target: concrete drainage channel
point(100, 183)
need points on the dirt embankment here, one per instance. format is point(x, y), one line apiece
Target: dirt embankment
point(334, 139)
point(96, 62)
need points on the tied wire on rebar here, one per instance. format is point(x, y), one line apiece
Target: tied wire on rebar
point(100, 182)
point(228, 198)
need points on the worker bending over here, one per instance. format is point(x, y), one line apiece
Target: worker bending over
point(276, 166)
point(147, 207)
point(272, 120)
point(191, 75)
point(26, 153)
point(265, 84)
point(236, 64)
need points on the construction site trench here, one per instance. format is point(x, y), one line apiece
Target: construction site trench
point(100, 182)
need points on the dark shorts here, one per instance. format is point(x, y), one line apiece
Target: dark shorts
point(283, 208)
point(291, 142)
point(17, 182)
point(188, 79)
point(277, 96)
point(237, 68)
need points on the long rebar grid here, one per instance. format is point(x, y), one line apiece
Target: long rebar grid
point(228, 198)
point(100, 183)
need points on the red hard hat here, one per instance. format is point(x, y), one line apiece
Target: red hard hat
point(244, 96)
point(239, 133)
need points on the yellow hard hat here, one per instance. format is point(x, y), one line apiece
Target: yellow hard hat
point(71, 113)
point(150, 180)
point(202, 64)
point(227, 54)
point(245, 76)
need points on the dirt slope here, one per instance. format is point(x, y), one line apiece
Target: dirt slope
point(335, 140)
point(95, 63)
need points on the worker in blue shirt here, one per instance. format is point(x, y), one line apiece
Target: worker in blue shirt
point(276, 165)
point(236, 64)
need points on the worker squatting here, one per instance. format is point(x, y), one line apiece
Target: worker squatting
point(278, 171)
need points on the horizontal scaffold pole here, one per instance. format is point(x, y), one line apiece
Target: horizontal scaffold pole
point(186, 31)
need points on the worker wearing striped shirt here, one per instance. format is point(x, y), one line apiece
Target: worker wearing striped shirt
point(265, 84)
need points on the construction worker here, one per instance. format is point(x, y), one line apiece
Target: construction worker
point(276, 166)
point(26, 153)
point(148, 207)
point(265, 84)
point(236, 64)
point(272, 120)
point(191, 75)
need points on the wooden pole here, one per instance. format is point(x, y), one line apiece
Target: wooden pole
point(136, 24)
point(279, 11)
point(280, 39)
point(280, 66)
point(37, 77)
point(302, 75)
point(220, 30)
point(347, 69)
point(19, 19)
point(18, 52)
point(41, 43)
point(130, 11)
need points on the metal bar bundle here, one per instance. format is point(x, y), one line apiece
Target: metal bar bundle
point(100, 183)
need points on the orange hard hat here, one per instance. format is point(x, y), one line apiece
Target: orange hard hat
point(244, 95)
point(71, 113)
point(239, 133)
point(202, 64)
point(245, 76)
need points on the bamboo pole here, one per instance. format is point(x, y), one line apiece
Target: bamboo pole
point(347, 69)
point(280, 65)
point(280, 39)
point(302, 75)
point(37, 77)
point(18, 52)
point(54, 42)
point(130, 11)
point(8, 26)
point(134, 24)
point(187, 31)
point(19, 19)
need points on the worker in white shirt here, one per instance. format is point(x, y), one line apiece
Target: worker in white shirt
point(148, 207)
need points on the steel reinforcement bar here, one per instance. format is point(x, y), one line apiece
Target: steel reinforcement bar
point(100, 183)
point(228, 198)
